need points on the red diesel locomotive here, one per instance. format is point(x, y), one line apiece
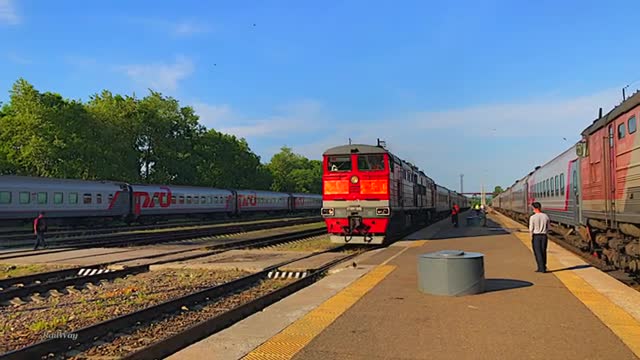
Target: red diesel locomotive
point(370, 195)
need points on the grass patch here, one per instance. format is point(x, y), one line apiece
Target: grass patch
point(12, 271)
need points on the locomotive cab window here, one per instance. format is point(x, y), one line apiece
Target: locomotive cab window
point(621, 131)
point(339, 163)
point(5, 197)
point(631, 124)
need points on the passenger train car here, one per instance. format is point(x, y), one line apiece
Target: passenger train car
point(72, 201)
point(369, 195)
point(592, 189)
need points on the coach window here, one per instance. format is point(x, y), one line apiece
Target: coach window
point(42, 198)
point(73, 198)
point(25, 198)
point(557, 186)
point(188, 199)
point(57, 198)
point(548, 189)
point(621, 131)
point(562, 184)
point(339, 163)
point(86, 198)
point(631, 124)
point(110, 198)
point(203, 200)
point(5, 197)
point(98, 198)
point(181, 199)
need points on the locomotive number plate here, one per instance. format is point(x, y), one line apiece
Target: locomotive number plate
point(354, 208)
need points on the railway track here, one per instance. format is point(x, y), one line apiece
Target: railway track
point(15, 289)
point(187, 318)
point(145, 238)
point(16, 238)
point(626, 278)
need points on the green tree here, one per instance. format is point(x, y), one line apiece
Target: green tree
point(497, 190)
point(295, 173)
point(43, 134)
point(225, 161)
point(117, 117)
point(123, 138)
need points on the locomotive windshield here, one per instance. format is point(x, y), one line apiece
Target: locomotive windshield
point(370, 162)
point(339, 163)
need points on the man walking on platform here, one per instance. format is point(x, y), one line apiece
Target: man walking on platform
point(39, 228)
point(454, 215)
point(538, 228)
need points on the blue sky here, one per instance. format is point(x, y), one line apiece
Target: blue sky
point(484, 88)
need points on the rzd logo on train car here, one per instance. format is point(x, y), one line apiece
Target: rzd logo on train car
point(143, 200)
point(247, 200)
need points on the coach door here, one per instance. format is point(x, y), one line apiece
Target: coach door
point(575, 192)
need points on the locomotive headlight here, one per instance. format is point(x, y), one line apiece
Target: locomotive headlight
point(328, 211)
point(354, 179)
point(382, 211)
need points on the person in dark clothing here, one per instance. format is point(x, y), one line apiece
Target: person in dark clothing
point(454, 214)
point(539, 224)
point(39, 229)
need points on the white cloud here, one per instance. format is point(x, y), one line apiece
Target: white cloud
point(174, 28)
point(159, 76)
point(442, 143)
point(449, 142)
point(295, 117)
point(539, 117)
point(211, 115)
point(186, 28)
point(8, 14)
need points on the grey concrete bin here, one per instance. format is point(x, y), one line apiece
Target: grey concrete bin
point(451, 273)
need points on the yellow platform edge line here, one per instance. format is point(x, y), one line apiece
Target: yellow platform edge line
point(287, 343)
point(621, 323)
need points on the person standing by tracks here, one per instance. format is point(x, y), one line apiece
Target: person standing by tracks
point(454, 214)
point(39, 229)
point(538, 228)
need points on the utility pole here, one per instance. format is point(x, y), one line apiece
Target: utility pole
point(461, 182)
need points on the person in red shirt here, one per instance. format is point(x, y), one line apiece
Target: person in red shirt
point(39, 229)
point(454, 214)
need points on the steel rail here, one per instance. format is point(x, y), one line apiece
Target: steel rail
point(89, 334)
point(76, 280)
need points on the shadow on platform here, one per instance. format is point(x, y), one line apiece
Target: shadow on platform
point(575, 267)
point(473, 229)
point(492, 285)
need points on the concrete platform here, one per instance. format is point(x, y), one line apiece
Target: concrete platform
point(250, 260)
point(573, 312)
